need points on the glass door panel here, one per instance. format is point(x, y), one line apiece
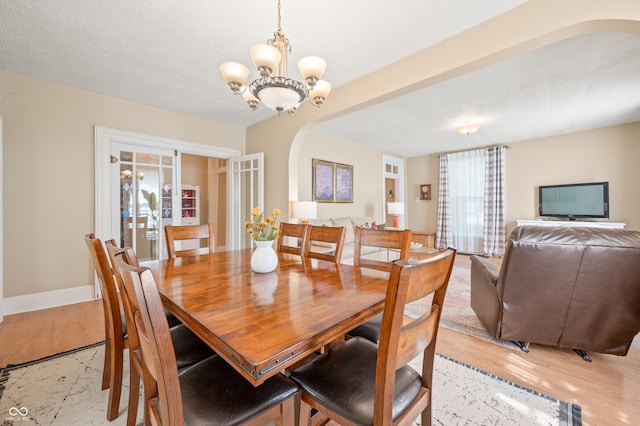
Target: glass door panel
point(146, 199)
point(247, 190)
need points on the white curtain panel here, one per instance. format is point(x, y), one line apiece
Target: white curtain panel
point(466, 198)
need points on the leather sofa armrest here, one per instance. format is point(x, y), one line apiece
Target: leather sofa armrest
point(485, 301)
point(486, 268)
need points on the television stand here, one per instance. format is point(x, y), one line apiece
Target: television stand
point(611, 225)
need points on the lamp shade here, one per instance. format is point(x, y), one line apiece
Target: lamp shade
point(312, 67)
point(279, 98)
point(234, 72)
point(305, 209)
point(265, 55)
point(395, 208)
point(321, 90)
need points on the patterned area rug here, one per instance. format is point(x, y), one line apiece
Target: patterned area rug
point(65, 390)
point(457, 314)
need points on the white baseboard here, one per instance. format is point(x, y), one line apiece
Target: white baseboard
point(47, 299)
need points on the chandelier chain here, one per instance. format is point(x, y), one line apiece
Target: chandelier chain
point(279, 18)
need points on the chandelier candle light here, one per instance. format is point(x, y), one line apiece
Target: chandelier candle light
point(274, 88)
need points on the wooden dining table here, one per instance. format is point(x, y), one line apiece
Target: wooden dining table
point(262, 323)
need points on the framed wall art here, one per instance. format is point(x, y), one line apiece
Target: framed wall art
point(344, 183)
point(322, 181)
point(332, 182)
point(425, 191)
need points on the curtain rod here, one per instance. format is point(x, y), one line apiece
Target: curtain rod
point(472, 149)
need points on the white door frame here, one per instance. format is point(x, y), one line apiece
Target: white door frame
point(400, 180)
point(104, 137)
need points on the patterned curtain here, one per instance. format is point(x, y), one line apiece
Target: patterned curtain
point(494, 202)
point(443, 233)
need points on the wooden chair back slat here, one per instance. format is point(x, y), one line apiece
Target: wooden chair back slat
point(175, 233)
point(387, 239)
point(295, 231)
point(326, 234)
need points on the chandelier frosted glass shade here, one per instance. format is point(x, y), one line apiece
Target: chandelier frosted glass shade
point(278, 93)
point(274, 88)
point(312, 68)
point(320, 92)
point(266, 58)
point(235, 74)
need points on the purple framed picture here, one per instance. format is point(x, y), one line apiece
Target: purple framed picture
point(344, 183)
point(323, 181)
point(332, 182)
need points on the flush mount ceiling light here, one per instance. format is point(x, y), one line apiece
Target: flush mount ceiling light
point(467, 128)
point(274, 88)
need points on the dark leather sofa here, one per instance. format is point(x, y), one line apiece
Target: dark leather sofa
point(569, 287)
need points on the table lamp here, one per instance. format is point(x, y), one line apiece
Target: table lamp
point(305, 210)
point(395, 209)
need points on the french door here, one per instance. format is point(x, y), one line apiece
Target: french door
point(246, 191)
point(133, 193)
point(144, 198)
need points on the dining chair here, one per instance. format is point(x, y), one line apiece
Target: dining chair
point(116, 339)
point(174, 233)
point(381, 239)
point(330, 237)
point(189, 348)
point(360, 383)
point(209, 392)
point(399, 241)
point(296, 235)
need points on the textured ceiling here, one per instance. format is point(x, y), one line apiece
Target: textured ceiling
point(167, 53)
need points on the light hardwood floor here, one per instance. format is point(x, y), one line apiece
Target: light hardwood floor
point(608, 389)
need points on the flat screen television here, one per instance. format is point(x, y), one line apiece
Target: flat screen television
point(578, 200)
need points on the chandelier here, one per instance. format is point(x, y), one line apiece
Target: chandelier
point(274, 88)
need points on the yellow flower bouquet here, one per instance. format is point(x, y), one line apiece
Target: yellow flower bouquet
point(263, 228)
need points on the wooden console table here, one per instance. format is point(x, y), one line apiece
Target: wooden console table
point(427, 239)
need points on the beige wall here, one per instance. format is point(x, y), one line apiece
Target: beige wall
point(367, 175)
point(422, 215)
point(610, 154)
point(48, 162)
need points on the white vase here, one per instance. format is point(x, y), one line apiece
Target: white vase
point(264, 258)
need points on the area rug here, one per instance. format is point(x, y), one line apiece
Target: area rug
point(65, 390)
point(457, 314)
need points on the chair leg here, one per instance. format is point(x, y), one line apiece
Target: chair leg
point(305, 414)
point(134, 393)
point(106, 369)
point(115, 381)
point(289, 411)
point(426, 416)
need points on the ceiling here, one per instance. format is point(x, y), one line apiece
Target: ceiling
point(166, 54)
